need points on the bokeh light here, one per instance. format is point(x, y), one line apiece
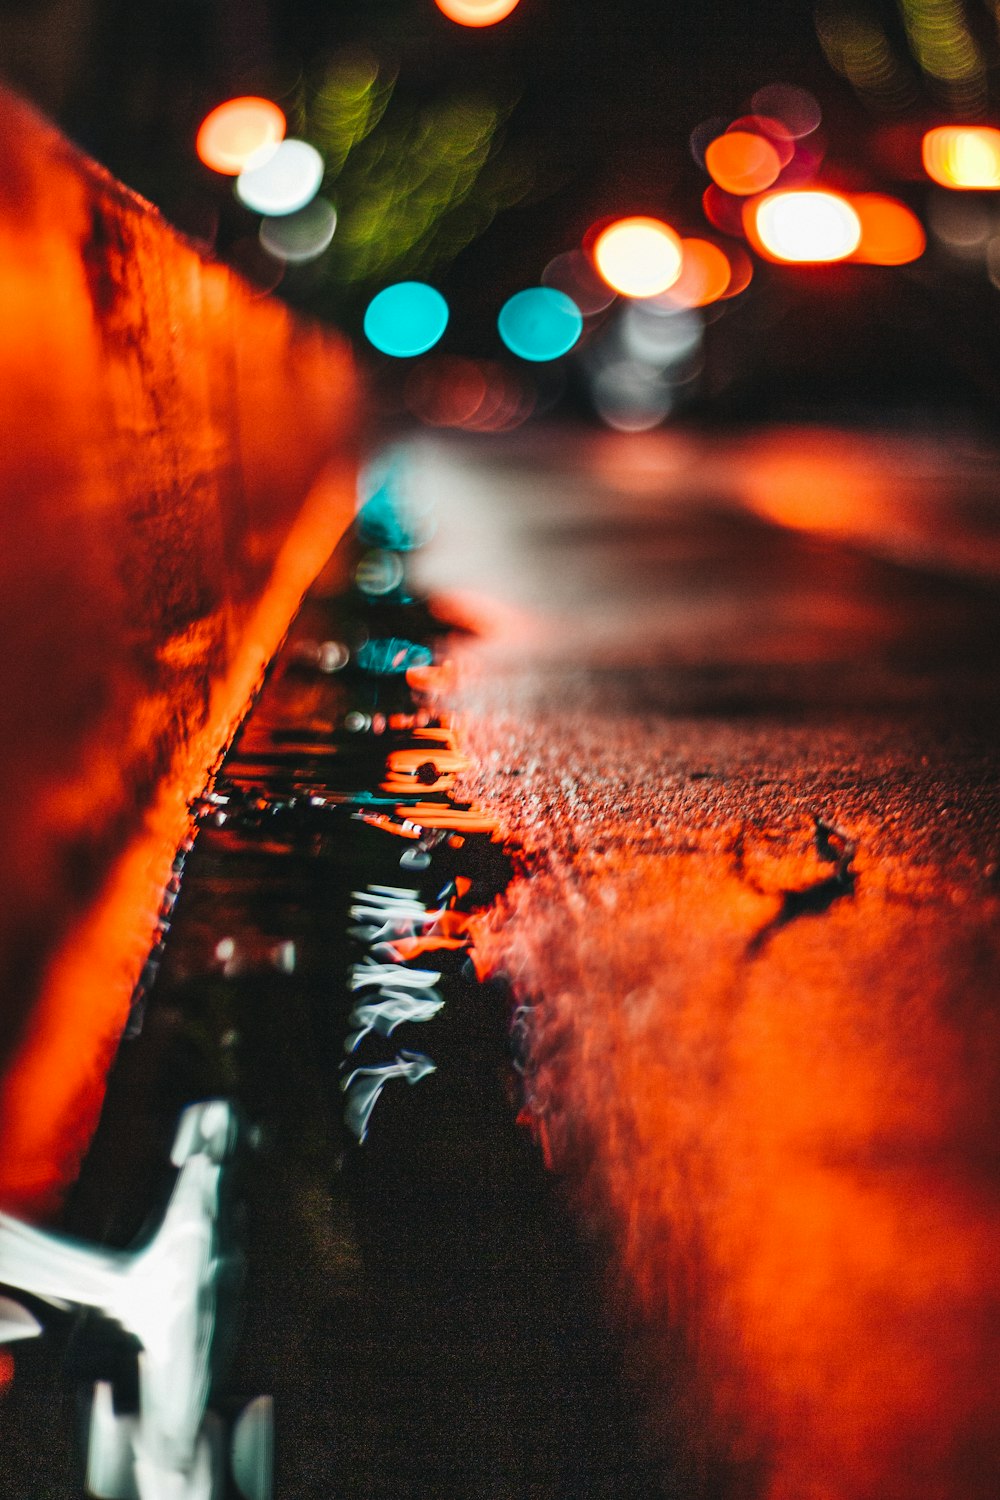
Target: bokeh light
point(540, 323)
point(235, 131)
point(813, 226)
point(301, 236)
point(638, 256)
point(742, 162)
point(663, 336)
point(447, 391)
point(406, 319)
point(891, 233)
point(806, 161)
point(703, 135)
point(961, 222)
point(631, 396)
point(573, 273)
point(772, 130)
point(963, 156)
point(740, 271)
point(795, 107)
point(722, 209)
point(705, 275)
point(281, 179)
point(476, 12)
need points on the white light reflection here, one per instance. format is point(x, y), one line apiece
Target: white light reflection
point(16, 1322)
point(631, 396)
point(302, 236)
point(392, 1009)
point(658, 334)
point(281, 179)
point(166, 1294)
point(368, 973)
point(364, 1085)
point(574, 274)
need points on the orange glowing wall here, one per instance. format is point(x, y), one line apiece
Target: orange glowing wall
point(176, 459)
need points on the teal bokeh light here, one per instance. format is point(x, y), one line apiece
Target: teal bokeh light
point(540, 323)
point(406, 319)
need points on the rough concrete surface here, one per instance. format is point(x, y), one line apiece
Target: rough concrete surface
point(173, 471)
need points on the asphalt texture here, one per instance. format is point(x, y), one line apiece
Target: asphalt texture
point(734, 697)
point(701, 1199)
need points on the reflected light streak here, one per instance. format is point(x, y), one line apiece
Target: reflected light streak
point(364, 1086)
point(964, 157)
point(803, 226)
point(166, 1293)
point(638, 256)
point(236, 131)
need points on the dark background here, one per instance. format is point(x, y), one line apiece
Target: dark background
point(599, 102)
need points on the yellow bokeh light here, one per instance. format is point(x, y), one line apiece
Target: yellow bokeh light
point(813, 226)
point(638, 257)
point(963, 156)
point(476, 12)
point(236, 130)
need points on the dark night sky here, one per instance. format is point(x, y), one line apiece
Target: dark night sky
point(607, 95)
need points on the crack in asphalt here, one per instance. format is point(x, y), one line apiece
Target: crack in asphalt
point(833, 846)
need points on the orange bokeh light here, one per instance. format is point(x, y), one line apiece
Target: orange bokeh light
point(234, 131)
point(476, 12)
point(963, 156)
point(705, 274)
point(742, 162)
point(740, 271)
point(891, 233)
point(813, 226)
point(638, 257)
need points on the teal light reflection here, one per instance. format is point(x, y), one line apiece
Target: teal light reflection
point(540, 324)
point(406, 319)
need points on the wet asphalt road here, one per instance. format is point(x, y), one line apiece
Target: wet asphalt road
point(735, 695)
point(734, 701)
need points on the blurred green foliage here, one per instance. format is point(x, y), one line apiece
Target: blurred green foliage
point(414, 180)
